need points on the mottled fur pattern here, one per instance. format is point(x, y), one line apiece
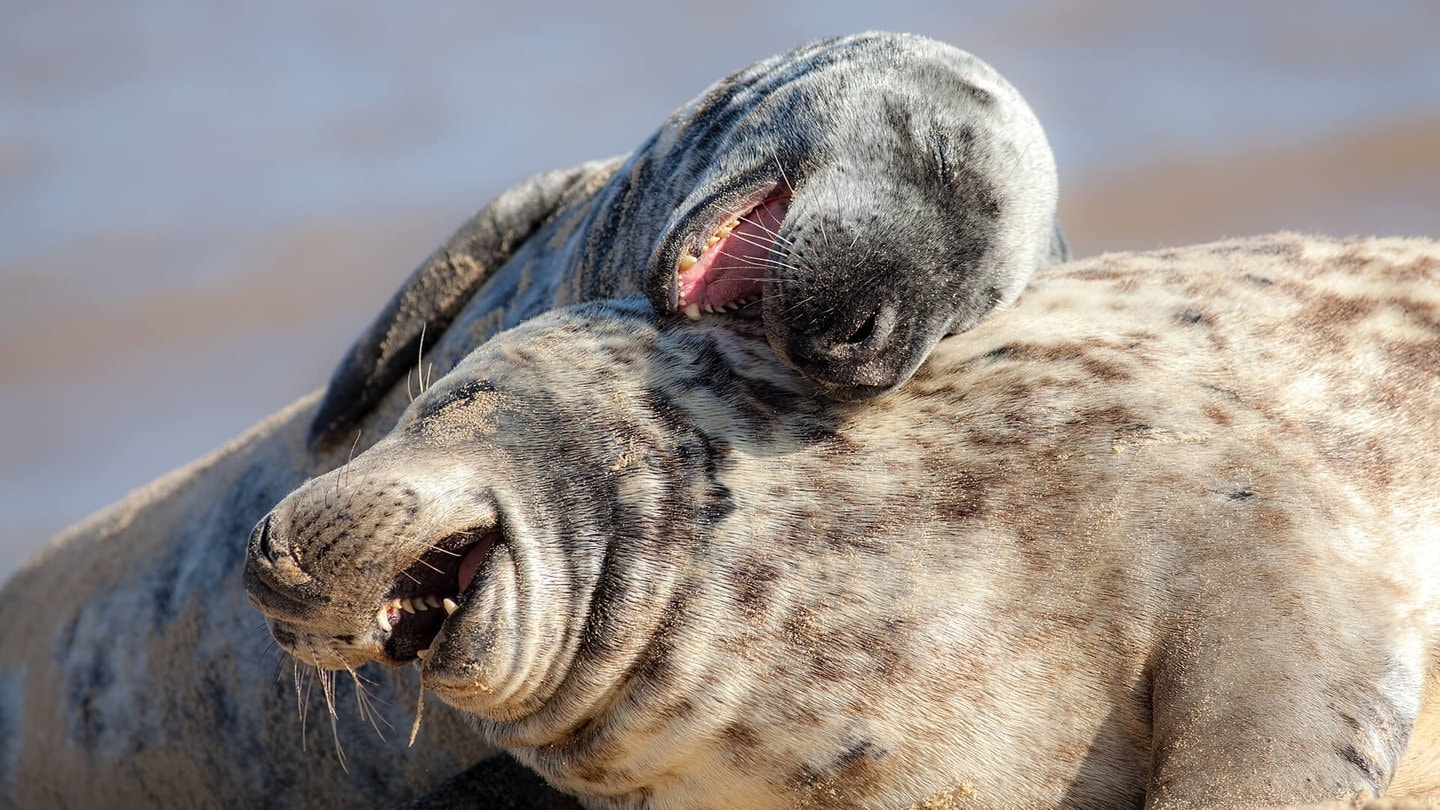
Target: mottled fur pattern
point(921, 195)
point(1166, 533)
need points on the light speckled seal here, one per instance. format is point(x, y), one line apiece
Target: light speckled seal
point(864, 195)
point(1166, 533)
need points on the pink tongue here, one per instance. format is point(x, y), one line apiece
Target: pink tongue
point(735, 268)
point(473, 559)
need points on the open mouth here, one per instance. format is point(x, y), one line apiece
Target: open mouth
point(427, 593)
point(729, 273)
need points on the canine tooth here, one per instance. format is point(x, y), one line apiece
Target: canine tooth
point(450, 606)
point(382, 617)
point(692, 311)
point(687, 261)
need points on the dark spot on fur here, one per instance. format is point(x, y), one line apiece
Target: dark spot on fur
point(1240, 494)
point(754, 583)
point(961, 496)
point(1192, 316)
point(995, 355)
point(1219, 415)
point(1105, 370)
point(1224, 392)
point(844, 779)
point(1259, 281)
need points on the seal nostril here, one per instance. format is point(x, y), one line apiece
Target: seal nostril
point(864, 332)
point(264, 541)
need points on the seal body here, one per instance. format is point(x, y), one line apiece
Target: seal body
point(863, 196)
point(1165, 534)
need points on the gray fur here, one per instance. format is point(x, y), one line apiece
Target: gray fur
point(1165, 533)
point(924, 196)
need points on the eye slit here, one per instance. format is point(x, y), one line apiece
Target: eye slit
point(461, 395)
point(942, 153)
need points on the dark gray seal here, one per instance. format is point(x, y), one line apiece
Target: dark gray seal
point(864, 195)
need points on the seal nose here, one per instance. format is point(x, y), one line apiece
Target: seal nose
point(270, 555)
point(274, 581)
point(846, 353)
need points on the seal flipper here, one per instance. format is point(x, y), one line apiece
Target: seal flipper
point(436, 292)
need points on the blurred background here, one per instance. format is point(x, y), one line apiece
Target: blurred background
point(202, 204)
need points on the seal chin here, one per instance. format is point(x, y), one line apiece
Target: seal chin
point(728, 274)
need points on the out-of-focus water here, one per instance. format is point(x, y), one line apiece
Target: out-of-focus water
point(201, 204)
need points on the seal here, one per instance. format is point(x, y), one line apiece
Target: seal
point(1162, 534)
point(864, 195)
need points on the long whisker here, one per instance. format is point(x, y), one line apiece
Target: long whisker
point(774, 234)
point(419, 709)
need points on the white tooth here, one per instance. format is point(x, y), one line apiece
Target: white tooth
point(733, 305)
point(382, 617)
point(419, 603)
point(687, 261)
point(406, 606)
point(423, 654)
point(450, 607)
point(708, 308)
point(692, 311)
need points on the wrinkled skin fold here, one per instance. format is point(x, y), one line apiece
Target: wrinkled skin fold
point(1164, 532)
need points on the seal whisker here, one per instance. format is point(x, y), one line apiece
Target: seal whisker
point(741, 237)
point(774, 234)
point(419, 707)
point(780, 167)
point(364, 701)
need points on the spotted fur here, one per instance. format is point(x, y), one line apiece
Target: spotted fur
point(1167, 533)
point(921, 195)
